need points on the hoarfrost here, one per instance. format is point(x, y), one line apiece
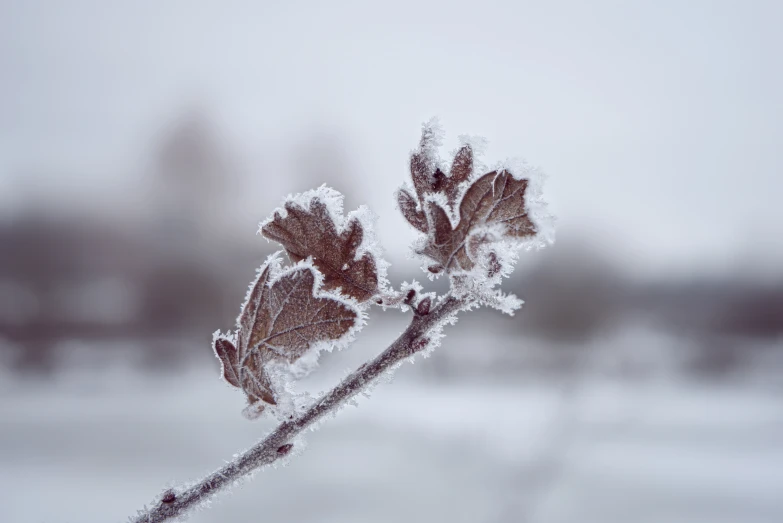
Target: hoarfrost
point(284, 373)
point(432, 135)
point(286, 321)
point(537, 207)
point(344, 248)
point(475, 288)
point(474, 221)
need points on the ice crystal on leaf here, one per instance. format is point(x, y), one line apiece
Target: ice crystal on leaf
point(311, 225)
point(285, 315)
point(492, 209)
point(473, 221)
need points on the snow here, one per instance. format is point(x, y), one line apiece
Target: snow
point(657, 452)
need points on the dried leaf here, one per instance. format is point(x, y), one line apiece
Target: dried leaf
point(423, 165)
point(461, 170)
point(494, 201)
point(255, 378)
point(227, 354)
point(283, 316)
point(408, 207)
point(428, 178)
point(294, 318)
point(312, 233)
point(487, 210)
point(497, 198)
point(253, 313)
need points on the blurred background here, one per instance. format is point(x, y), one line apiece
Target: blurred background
point(142, 142)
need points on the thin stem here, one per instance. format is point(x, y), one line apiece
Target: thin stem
point(176, 502)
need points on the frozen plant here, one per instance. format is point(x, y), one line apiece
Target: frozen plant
point(472, 223)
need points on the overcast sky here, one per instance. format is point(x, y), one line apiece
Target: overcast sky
point(660, 124)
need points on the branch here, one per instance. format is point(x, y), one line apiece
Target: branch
point(174, 503)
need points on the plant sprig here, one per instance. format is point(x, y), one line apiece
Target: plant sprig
point(472, 224)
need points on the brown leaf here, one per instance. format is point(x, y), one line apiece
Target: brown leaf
point(227, 354)
point(280, 322)
point(253, 313)
point(462, 166)
point(422, 169)
point(408, 206)
point(461, 169)
point(491, 208)
point(297, 318)
point(495, 199)
point(428, 178)
point(255, 379)
point(311, 232)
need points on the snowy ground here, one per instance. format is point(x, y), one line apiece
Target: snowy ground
point(93, 447)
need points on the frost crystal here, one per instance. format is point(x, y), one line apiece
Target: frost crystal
point(344, 249)
point(287, 318)
point(474, 223)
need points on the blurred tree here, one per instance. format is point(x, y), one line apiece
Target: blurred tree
point(573, 293)
point(192, 173)
point(321, 158)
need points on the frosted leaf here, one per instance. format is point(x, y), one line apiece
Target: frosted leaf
point(494, 201)
point(424, 160)
point(295, 316)
point(285, 321)
point(472, 220)
point(311, 225)
point(536, 206)
point(460, 174)
point(410, 209)
point(229, 360)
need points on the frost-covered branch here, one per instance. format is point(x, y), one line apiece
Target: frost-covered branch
point(176, 502)
point(473, 223)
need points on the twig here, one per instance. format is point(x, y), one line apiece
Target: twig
point(177, 502)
